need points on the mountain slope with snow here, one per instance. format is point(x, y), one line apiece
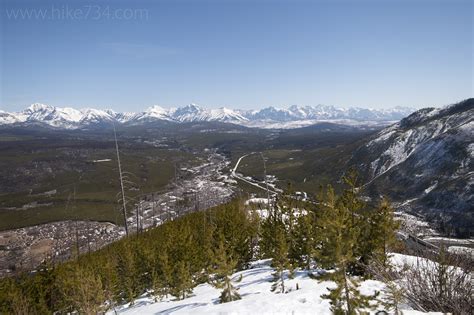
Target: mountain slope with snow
point(269, 117)
point(257, 297)
point(428, 159)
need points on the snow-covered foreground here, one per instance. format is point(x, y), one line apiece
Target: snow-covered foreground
point(257, 298)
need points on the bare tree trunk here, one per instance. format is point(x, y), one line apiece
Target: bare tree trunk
point(346, 288)
point(266, 183)
point(121, 183)
point(88, 237)
point(138, 216)
point(75, 224)
point(154, 209)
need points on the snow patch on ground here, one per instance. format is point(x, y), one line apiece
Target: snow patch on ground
point(256, 296)
point(429, 189)
point(256, 201)
point(461, 250)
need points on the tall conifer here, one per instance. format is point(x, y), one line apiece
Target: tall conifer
point(224, 267)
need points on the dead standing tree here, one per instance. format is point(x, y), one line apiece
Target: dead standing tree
point(265, 179)
point(125, 185)
point(124, 202)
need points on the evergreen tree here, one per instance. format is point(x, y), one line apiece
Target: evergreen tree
point(280, 260)
point(337, 248)
point(13, 299)
point(224, 267)
point(182, 282)
point(346, 298)
point(269, 229)
point(267, 239)
point(287, 206)
point(109, 278)
point(127, 282)
point(41, 289)
point(303, 239)
point(152, 271)
point(383, 231)
point(359, 222)
point(165, 275)
point(393, 297)
point(206, 243)
point(83, 290)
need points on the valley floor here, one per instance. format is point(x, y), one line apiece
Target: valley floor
point(257, 298)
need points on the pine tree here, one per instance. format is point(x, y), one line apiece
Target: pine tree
point(324, 247)
point(13, 299)
point(109, 279)
point(41, 289)
point(280, 260)
point(269, 229)
point(224, 267)
point(182, 282)
point(359, 222)
point(128, 286)
point(350, 197)
point(165, 275)
point(393, 297)
point(383, 228)
point(287, 207)
point(83, 289)
point(303, 240)
point(206, 243)
point(267, 239)
point(338, 240)
point(152, 271)
point(346, 298)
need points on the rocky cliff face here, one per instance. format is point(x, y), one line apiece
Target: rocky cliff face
point(425, 164)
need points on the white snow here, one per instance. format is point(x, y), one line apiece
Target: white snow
point(226, 114)
point(156, 112)
point(470, 148)
point(429, 189)
point(256, 296)
point(461, 250)
point(450, 240)
point(8, 118)
point(257, 201)
point(270, 117)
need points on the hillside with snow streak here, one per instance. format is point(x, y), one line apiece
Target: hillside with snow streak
point(426, 163)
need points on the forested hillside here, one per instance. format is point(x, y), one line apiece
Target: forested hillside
point(339, 233)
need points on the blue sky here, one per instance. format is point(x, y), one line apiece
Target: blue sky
point(241, 54)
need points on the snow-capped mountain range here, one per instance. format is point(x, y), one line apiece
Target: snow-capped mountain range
point(269, 117)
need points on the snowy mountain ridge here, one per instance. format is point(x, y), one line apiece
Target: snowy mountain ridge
point(425, 163)
point(269, 117)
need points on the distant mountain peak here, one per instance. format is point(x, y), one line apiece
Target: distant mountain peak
point(156, 108)
point(39, 107)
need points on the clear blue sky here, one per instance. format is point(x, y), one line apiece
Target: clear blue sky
point(242, 54)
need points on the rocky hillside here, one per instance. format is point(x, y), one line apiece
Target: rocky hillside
point(425, 164)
